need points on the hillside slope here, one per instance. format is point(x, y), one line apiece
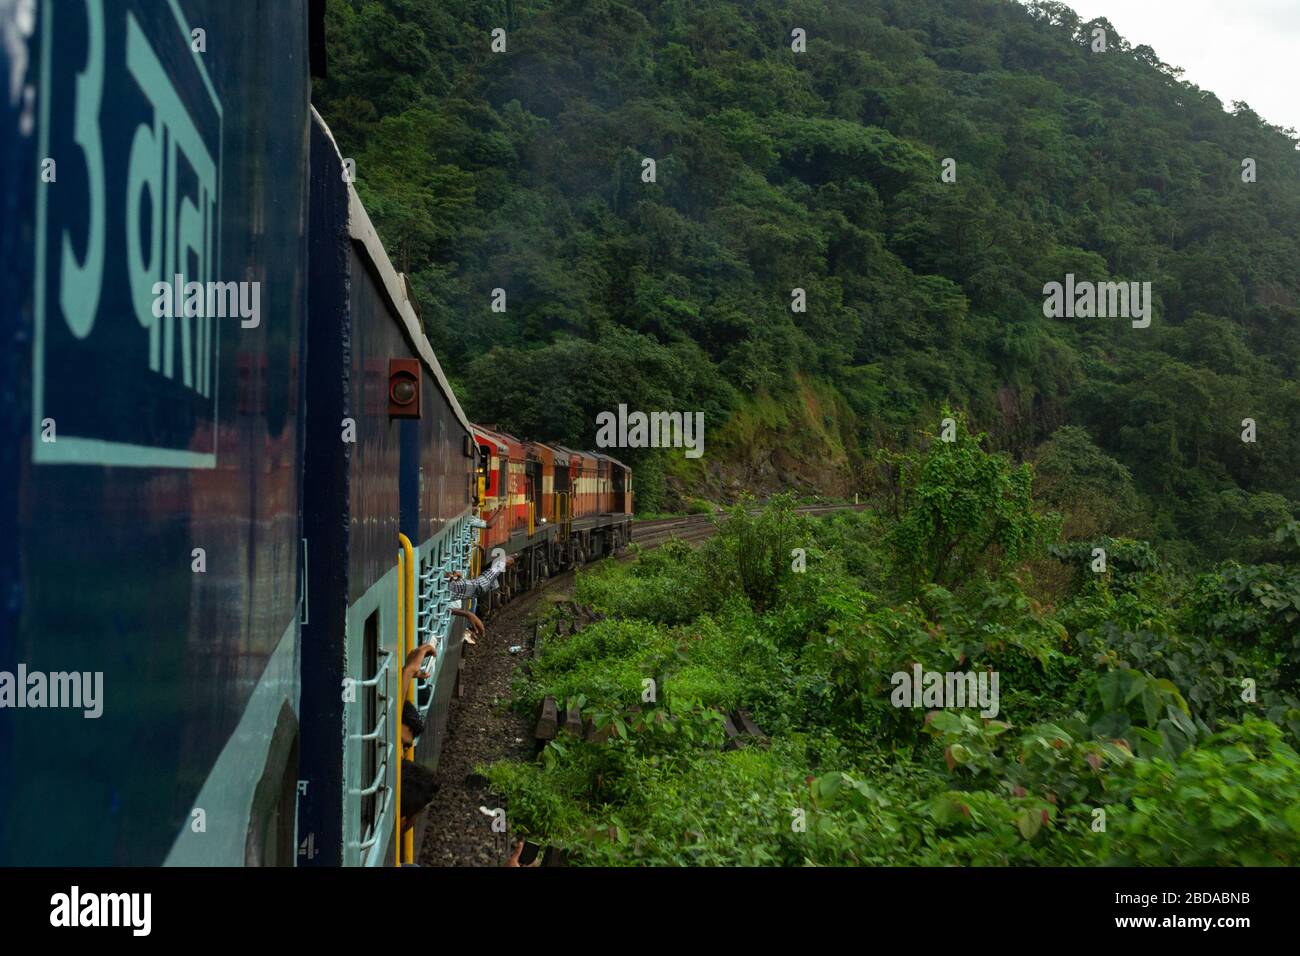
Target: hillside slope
point(821, 170)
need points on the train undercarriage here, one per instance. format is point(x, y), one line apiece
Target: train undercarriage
point(548, 553)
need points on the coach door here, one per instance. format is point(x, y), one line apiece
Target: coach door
point(533, 492)
point(620, 490)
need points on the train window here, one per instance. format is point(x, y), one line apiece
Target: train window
point(369, 716)
point(431, 604)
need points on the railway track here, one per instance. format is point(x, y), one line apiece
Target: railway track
point(693, 528)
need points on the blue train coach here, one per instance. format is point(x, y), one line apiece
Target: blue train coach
point(220, 421)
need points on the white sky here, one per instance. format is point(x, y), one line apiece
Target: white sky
point(1237, 49)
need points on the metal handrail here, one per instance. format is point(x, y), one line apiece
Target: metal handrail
point(374, 786)
point(407, 570)
point(381, 671)
point(381, 727)
point(564, 512)
point(375, 831)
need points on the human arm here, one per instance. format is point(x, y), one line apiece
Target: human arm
point(475, 624)
point(414, 661)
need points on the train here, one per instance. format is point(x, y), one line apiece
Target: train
point(560, 508)
point(234, 477)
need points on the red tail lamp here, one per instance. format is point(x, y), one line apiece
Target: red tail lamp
point(403, 388)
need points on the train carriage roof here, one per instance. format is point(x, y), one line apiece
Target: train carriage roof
point(505, 443)
point(553, 450)
point(392, 283)
point(566, 450)
point(613, 459)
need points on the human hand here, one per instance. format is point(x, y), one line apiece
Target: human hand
point(514, 857)
point(416, 658)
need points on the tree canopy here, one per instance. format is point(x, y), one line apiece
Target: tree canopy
point(823, 170)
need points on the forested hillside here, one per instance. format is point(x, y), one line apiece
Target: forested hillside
point(822, 170)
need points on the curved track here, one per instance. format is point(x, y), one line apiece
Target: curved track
point(692, 528)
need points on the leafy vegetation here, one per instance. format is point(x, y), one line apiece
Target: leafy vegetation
point(1145, 717)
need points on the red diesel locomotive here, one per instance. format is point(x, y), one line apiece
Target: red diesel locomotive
point(549, 506)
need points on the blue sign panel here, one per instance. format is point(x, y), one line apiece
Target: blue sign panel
point(128, 220)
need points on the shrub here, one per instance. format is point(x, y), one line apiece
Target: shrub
point(963, 510)
point(1234, 801)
